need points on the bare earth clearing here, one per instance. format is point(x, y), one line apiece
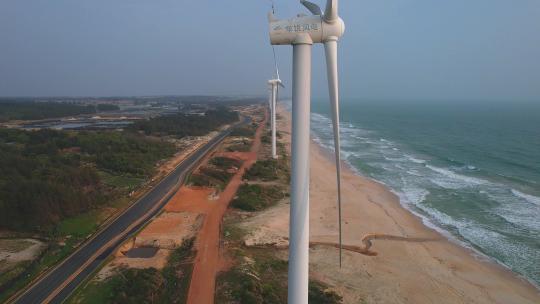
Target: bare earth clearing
point(13, 251)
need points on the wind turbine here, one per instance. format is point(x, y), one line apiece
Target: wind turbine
point(274, 83)
point(302, 32)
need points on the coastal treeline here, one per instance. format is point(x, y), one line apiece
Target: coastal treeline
point(31, 110)
point(181, 125)
point(48, 175)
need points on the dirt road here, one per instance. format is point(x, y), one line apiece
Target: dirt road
point(208, 260)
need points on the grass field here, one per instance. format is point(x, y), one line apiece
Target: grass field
point(80, 225)
point(120, 181)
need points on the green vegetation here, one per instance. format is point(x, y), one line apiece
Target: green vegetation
point(169, 285)
point(104, 107)
point(245, 131)
point(10, 273)
point(79, 226)
point(267, 138)
point(268, 170)
point(243, 146)
point(23, 273)
point(138, 286)
point(258, 276)
point(256, 197)
point(262, 281)
point(122, 152)
point(319, 293)
point(215, 174)
point(56, 183)
point(181, 125)
point(120, 181)
point(199, 180)
point(177, 273)
point(210, 177)
point(47, 176)
point(225, 162)
point(31, 110)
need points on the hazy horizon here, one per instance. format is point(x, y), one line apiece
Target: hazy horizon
point(482, 51)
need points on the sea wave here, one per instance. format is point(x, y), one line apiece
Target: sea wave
point(415, 160)
point(414, 195)
point(434, 189)
point(529, 198)
point(455, 176)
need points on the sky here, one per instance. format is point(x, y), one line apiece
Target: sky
point(459, 50)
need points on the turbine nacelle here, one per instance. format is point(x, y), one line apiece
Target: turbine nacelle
point(304, 29)
point(274, 82)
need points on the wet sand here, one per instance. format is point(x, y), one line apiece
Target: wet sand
point(414, 265)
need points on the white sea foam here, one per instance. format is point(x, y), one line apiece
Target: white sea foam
point(414, 159)
point(394, 159)
point(448, 183)
point(414, 172)
point(452, 175)
point(414, 195)
point(529, 198)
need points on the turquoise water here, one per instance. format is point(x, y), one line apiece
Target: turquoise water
point(470, 171)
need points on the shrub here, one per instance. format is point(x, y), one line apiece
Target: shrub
point(240, 147)
point(268, 170)
point(256, 197)
point(199, 180)
point(138, 285)
point(319, 293)
point(225, 162)
point(221, 176)
point(245, 131)
point(265, 282)
point(265, 170)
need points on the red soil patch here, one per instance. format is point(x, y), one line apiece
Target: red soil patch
point(208, 260)
point(169, 230)
point(194, 199)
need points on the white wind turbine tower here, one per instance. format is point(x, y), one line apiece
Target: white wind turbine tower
point(301, 32)
point(273, 83)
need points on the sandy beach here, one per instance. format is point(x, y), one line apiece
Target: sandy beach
point(421, 266)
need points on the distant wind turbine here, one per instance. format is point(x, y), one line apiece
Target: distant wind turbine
point(301, 32)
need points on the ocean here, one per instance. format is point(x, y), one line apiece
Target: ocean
point(471, 171)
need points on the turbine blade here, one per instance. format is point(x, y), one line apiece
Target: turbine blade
point(281, 84)
point(331, 11)
point(270, 99)
point(330, 48)
point(312, 7)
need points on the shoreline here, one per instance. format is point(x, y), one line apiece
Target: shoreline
point(462, 273)
point(425, 221)
point(448, 236)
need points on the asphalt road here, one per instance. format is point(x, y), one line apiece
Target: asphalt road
point(53, 280)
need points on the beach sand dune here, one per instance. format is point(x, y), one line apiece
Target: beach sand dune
point(420, 266)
